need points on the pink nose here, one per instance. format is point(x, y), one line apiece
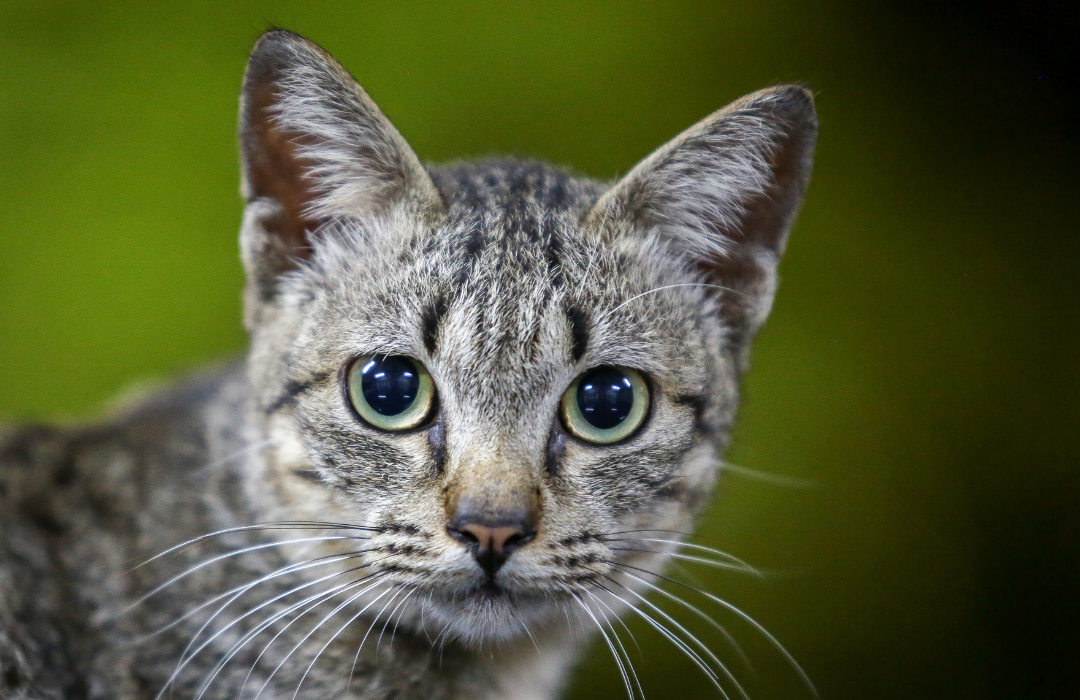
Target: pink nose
point(491, 545)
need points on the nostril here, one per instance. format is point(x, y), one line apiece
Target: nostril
point(464, 536)
point(517, 540)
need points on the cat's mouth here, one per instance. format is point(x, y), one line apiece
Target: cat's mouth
point(491, 589)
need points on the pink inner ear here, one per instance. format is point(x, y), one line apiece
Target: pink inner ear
point(276, 171)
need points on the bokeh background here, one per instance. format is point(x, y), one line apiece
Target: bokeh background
point(915, 396)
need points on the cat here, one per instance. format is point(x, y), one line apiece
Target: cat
point(478, 402)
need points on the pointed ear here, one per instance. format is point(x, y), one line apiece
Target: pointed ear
point(724, 194)
point(315, 149)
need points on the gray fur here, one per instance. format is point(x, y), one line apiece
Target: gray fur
point(506, 279)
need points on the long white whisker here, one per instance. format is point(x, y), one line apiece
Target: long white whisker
point(263, 625)
point(319, 599)
point(242, 588)
point(335, 635)
point(745, 617)
point(283, 525)
point(684, 648)
point(440, 644)
point(691, 636)
point(227, 555)
point(247, 587)
point(792, 482)
point(326, 595)
point(672, 286)
point(727, 566)
point(341, 629)
point(393, 632)
point(611, 647)
point(707, 618)
point(372, 580)
point(360, 648)
point(378, 643)
point(731, 558)
point(255, 447)
point(307, 636)
point(183, 662)
point(618, 639)
point(529, 634)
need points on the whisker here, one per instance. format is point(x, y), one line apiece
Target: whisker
point(611, 647)
point(745, 617)
point(243, 588)
point(227, 555)
point(618, 640)
point(332, 638)
point(614, 614)
point(255, 447)
point(708, 619)
point(236, 593)
point(569, 624)
point(283, 525)
point(319, 599)
point(393, 632)
point(360, 648)
point(630, 532)
point(733, 562)
point(791, 482)
point(672, 286)
point(529, 634)
point(727, 566)
point(441, 644)
point(184, 661)
point(682, 646)
point(341, 629)
point(690, 635)
point(235, 597)
point(325, 596)
point(312, 631)
point(247, 637)
point(378, 643)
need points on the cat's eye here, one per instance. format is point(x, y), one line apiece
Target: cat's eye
point(391, 392)
point(605, 404)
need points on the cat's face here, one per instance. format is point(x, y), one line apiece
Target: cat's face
point(516, 381)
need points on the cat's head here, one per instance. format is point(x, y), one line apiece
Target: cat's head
point(516, 379)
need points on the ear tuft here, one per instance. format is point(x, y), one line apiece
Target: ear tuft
point(725, 194)
point(315, 149)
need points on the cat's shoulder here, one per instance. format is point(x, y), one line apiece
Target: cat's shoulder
point(147, 420)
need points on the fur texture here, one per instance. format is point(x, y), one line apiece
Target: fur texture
point(506, 280)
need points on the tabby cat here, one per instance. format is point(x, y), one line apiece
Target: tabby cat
point(480, 402)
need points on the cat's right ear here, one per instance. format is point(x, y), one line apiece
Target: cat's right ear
point(723, 195)
point(315, 150)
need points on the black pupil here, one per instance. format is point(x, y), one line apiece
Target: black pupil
point(605, 397)
point(390, 384)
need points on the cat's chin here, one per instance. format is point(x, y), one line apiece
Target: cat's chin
point(489, 615)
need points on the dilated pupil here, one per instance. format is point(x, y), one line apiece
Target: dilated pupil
point(389, 384)
point(605, 397)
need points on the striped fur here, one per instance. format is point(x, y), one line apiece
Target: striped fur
point(506, 279)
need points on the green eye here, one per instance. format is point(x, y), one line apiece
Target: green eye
point(605, 404)
point(391, 392)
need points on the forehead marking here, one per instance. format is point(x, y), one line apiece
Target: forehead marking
point(579, 331)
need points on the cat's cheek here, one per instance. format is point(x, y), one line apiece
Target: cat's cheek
point(288, 448)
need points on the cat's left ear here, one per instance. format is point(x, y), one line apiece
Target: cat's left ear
point(724, 194)
point(315, 149)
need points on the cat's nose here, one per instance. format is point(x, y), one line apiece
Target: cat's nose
point(492, 542)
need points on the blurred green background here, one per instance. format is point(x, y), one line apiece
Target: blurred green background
point(920, 367)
